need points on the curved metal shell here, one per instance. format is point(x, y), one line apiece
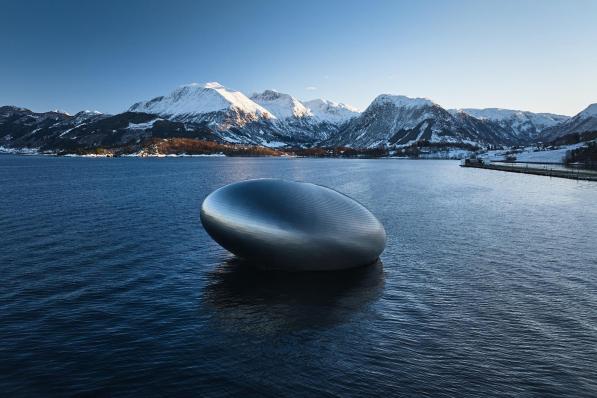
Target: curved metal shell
point(294, 226)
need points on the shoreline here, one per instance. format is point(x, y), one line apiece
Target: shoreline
point(33, 152)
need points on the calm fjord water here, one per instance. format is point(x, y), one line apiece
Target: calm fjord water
point(110, 286)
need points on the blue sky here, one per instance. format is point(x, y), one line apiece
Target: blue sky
point(72, 55)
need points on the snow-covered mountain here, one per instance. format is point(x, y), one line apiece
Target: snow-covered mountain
point(213, 112)
point(269, 118)
point(87, 116)
point(527, 126)
point(23, 128)
point(313, 121)
point(282, 106)
point(229, 114)
point(293, 119)
point(331, 112)
point(396, 120)
point(204, 102)
point(584, 122)
point(589, 111)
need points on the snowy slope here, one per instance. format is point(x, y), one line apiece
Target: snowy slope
point(401, 101)
point(189, 102)
point(86, 116)
point(589, 111)
point(313, 121)
point(550, 156)
point(525, 125)
point(331, 112)
point(585, 121)
point(281, 105)
point(266, 118)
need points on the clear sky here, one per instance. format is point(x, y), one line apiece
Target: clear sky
point(105, 55)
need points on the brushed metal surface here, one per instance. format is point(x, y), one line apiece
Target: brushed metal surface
point(289, 225)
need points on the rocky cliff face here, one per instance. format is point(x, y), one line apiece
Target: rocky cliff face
point(400, 121)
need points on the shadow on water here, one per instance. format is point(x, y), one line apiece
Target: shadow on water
point(244, 298)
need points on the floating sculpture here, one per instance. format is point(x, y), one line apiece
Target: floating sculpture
point(293, 226)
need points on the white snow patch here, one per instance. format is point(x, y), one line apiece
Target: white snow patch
point(550, 156)
point(274, 144)
point(71, 129)
point(142, 126)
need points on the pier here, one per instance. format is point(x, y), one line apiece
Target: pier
point(585, 175)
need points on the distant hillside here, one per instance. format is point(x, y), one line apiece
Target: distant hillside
point(270, 119)
point(584, 122)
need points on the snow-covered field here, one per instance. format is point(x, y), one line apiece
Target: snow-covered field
point(554, 156)
point(532, 155)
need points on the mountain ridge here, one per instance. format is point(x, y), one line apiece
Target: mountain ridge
point(524, 124)
point(396, 121)
point(211, 111)
point(583, 122)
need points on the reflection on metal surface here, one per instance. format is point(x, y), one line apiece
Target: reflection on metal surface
point(245, 299)
point(290, 225)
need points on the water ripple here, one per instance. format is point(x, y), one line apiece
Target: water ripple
point(110, 287)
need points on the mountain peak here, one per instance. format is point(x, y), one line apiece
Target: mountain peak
point(197, 98)
point(401, 101)
point(325, 102)
point(330, 111)
point(214, 85)
point(523, 124)
point(270, 94)
point(14, 108)
point(583, 122)
point(88, 112)
point(281, 105)
point(492, 113)
point(589, 111)
point(503, 114)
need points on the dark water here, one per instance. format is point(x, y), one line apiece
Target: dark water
point(110, 287)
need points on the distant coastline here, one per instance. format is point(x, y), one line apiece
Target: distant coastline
point(171, 148)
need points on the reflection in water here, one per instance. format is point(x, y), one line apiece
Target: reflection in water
point(249, 300)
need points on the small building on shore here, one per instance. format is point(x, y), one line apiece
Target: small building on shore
point(473, 162)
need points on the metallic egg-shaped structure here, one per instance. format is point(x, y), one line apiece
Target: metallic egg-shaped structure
point(295, 226)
